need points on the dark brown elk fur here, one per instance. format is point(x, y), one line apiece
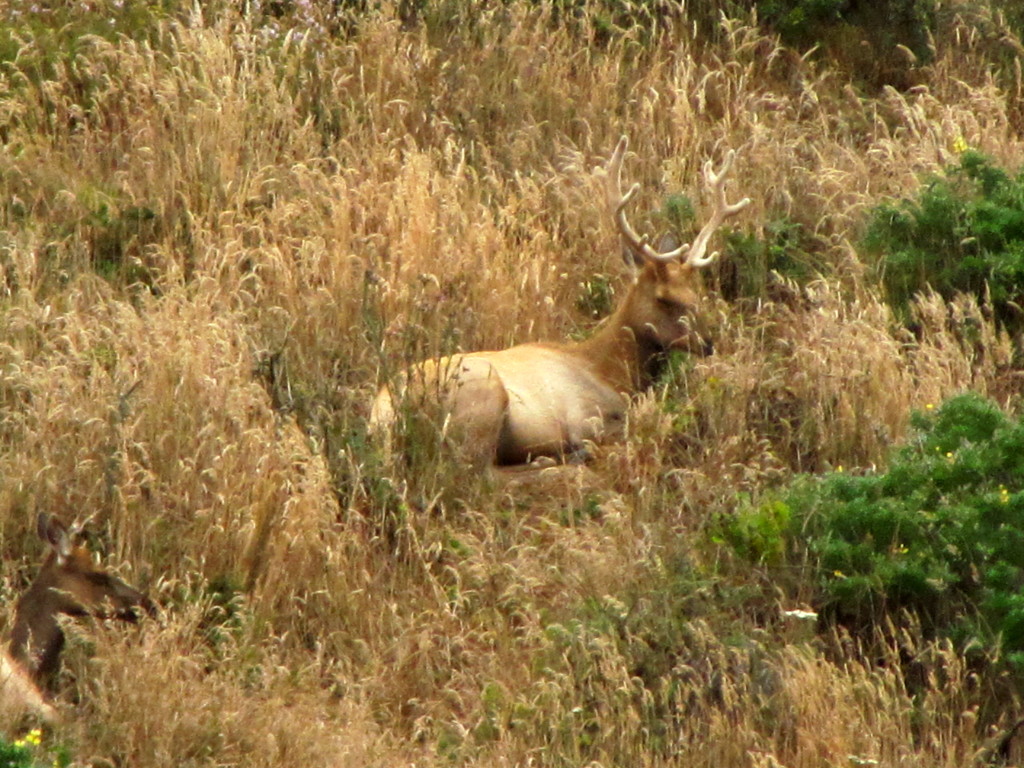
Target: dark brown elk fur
point(69, 583)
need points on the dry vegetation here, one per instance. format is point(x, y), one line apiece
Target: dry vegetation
point(219, 237)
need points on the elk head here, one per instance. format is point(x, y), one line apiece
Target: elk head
point(68, 583)
point(663, 307)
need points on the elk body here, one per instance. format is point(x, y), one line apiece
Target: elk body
point(536, 400)
point(19, 695)
point(69, 583)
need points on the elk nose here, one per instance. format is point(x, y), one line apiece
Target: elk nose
point(142, 606)
point(147, 605)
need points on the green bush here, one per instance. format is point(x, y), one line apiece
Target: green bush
point(964, 233)
point(803, 22)
point(799, 20)
point(785, 248)
point(758, 533)
point(29, 752)
point(15, 755)
point(868, 41)
point(44, 39)
point(941, 533)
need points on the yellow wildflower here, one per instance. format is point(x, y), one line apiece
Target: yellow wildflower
point(32, 738)
point(960, 145)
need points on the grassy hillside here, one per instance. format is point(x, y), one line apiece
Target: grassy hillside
point(221, 231)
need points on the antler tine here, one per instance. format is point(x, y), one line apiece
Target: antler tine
point(617, 202)
point(79, 525)
point(721, 210)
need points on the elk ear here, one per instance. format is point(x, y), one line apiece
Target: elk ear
point(668, 242)
point(631, 258)
point(53, 532)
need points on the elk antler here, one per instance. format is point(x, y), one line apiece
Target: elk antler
point(715, 183)
point(617, 204)
point(721, 210)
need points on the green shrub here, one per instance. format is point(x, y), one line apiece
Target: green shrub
point(44, 39)
point(807, 22)
point(757, 532)
point(941, 533)
point(29, 751)
point(868, 41)
point(15, 755)
point(964, 233)
point(784, 249)
point(799, 20)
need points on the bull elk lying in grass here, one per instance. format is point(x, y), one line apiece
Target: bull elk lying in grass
point(69, 584)
point(537, 400)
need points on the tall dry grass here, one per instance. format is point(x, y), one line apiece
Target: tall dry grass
point(220, 236)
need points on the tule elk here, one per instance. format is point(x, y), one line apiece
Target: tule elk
point(547, 400)
point(70, 584)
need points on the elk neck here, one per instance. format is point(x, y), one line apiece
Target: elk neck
point(620, 354)
point(37, 639)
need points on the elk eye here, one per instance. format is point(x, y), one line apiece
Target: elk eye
point(100, 579)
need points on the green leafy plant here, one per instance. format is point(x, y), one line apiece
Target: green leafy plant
point(17, 754)
point(799, 19)
point(597, 297)
point(964, 233)
point(784, 249)
point(757, 532)
point(870, 42)
point(58, 32)
point(940, 533)
point(117, 238)
point(30, 752)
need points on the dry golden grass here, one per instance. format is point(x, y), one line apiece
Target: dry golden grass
point(318, 211)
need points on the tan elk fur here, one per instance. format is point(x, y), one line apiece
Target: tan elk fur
point(549, 399)
point(19, 695)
